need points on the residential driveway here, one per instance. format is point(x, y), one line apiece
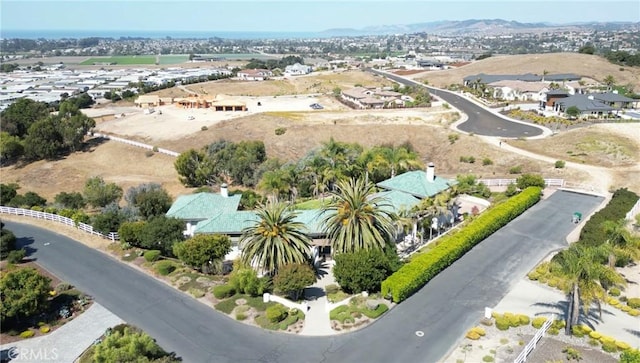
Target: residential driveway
point(66, 343)
point(440, 312)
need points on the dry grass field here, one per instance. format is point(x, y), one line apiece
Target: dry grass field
point(588, 66)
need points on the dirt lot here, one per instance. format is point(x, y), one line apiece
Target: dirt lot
point(589, 66)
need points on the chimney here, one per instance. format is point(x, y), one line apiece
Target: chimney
point(223, 190)
point(590, 97)
point(615, 91)
point(431, 173)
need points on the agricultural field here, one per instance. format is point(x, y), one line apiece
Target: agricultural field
point(136, 60)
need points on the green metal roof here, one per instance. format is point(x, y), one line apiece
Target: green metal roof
point(398, 200)
point(228, 223)
point(203, 206)
point(416, 184)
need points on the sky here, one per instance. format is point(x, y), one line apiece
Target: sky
point(293, 16)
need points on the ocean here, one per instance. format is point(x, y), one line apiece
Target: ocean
point(155, 34)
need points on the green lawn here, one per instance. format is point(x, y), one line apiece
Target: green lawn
point(312, 204)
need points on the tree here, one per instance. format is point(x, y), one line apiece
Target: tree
point(275, 240)
point(572, 111)
point(149, 199)
point(292, 279)
point(20, 115)
point(24, 293)
point(44, 140)
point(11, 148)
point(363, 270)
point(73, 200)
point(7, 241)
point(161, 233)
point(609, 81)
point(98, 193)
point(194, 168)
point(245, 280)
point(203, 250)
point(8, 192)
point(357, 219)
point(585, 277)
point(530, 180)
point(129, 344)
point(587, 49)
point(402, 159)
point(109, 220)
point(28, 200)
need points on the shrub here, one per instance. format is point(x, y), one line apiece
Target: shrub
point(621, 202)
point(486, 322)
point(622, 345)
point(281, 131)
point(537, 322)
point(572, 353)
point(155, 149)
point(148, 153)
point(226, 306)
point(472, 335)
point(609, 347)
point(241, 316)
point(487, 358)
point(453, 138)
point(27, 334)
point(151, 255)
point(553, 331)
point(164, 267)
point(576, 331)
point(524, 319)
point(223, 291)
point(634, 312)
point(467, 159)
point(375, 313)
point(634, 302)
point(595, 335)
point(204, 128)
point(422, 268)
point(197, 293)
point(62, 287)
point(332, 289)
point(487, 161)
point(502, 323)
point(479, 330)
point(515, 169)
point(276, 313)
point(586, 329)
point(45, 329)
point(559, 164)
point(614, 291)
point(16, 256)
point(594, 342)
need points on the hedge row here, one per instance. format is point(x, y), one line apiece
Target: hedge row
point(416, 273)
point(621, 202)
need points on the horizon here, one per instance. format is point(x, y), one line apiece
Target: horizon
point(304, 16)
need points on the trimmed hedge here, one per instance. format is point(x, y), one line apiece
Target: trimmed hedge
point(621, 202)
point(223, 291)
point(415, 274)
point(151, 255)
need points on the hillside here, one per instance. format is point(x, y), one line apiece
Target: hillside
point(588, 66)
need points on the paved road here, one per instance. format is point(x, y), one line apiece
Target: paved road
point(443, 309)
point(480, 121)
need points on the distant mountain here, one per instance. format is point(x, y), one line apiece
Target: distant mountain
point(477, 26)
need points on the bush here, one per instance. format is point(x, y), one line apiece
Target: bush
point(197, 293)
point(524, 319)
point(204, 128)
point(576, 331)
point(621, 202)
point(27, 334)
point(502, 323)
point(164, 267)
point(479, 330)
point(487, 161)
point(223, 291)
point(151, 255)
point(560, 164)
point(276, 313)
point(614, 291)
point(281, 131)
point(595, 335)
point(594, 342)
point(487, 358)
point(634, 312)
point(537, 322)
point(453, 138)
point(62, 287)
point(45, 329)
point(375, 313)
point(467, 159)
point(609, 347)
point(515, 169)
point(472, 335)
point(634, 302)
point(332, 289)
point(16, 256)
point(241, 316)
point(422, 268)
point(622, 345)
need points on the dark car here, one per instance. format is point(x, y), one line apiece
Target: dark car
point(316, 106)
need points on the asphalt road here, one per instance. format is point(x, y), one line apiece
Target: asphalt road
point(443, 309)
point(480, 121)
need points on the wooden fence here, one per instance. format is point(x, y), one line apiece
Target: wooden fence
point(137, 144)
point(113, 236)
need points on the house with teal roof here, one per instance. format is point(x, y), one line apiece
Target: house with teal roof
point(418, 183)
point(194, 208)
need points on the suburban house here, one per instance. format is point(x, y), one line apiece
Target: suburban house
point(218, 102)
point(218, 213)
point(510, 90)
point(150, 101)
point(595, 104)
point(297, 70)
point(485, 79)
point(254, 74)
point(366, 98)
point(552, 97)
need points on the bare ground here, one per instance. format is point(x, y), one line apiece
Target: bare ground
point(585, 65)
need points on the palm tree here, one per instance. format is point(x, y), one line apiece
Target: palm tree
point(275, 240)
point(621, 240)
point(356, 219)
point(401, 159)
point(610, 82)
point(585, 277)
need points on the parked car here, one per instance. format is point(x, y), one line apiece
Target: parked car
point(316, 106)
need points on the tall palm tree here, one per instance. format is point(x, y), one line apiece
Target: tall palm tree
point(356, 219)
point(400, 159)
point(585, 277)
point(621, 240)
point(275, 240)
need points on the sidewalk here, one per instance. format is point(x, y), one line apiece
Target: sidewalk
point(317, 322)
point(66, 343)
point(531, 298)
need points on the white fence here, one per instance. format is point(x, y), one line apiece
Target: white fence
point(505, 182)
point(522, 357)
point(113, 236)
point(634, 210)
point(137, 144)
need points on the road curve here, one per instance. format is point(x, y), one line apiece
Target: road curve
point(442, 310)
point(480, 121)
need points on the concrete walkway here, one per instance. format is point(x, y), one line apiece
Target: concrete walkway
point(66, 343)
point(532, 298)
point(316, 322)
